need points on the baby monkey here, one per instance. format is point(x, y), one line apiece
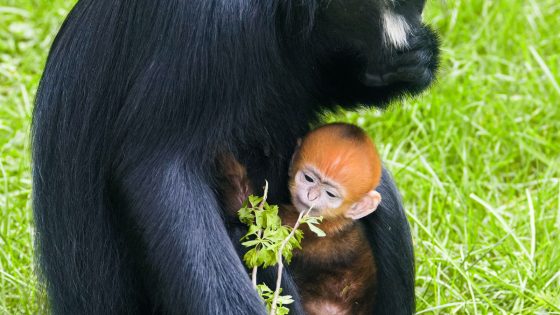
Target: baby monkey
point(334, 171)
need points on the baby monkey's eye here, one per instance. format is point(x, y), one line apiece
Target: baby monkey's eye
point(307, 178)
point(331, 194)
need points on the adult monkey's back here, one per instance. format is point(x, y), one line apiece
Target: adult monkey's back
point(139, 97)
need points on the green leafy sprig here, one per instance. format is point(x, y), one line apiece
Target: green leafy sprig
point(270, 243)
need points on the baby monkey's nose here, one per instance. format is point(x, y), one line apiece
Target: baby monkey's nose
point(313, 194)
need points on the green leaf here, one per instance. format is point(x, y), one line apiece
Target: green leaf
point(250, 258)
point(272, 219)
point(246, 216)
point(287, 254)
point(298, 235)
point(252, 243)
point(252, 231)
point(285, 299)
point(316, 230)
point(260, 219)
point(255, 200)
point(313, 220)
point(282, 310)
point(273, 209)
point(269, 234)
point(267, 258)
point(263, 288)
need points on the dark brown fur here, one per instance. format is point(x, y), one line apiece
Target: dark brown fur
point(233, 185)
point(335, 274)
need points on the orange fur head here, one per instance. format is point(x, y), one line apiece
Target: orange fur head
point(344, 154)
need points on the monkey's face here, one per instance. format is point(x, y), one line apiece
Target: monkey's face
point(371, 51)
point(310, 189)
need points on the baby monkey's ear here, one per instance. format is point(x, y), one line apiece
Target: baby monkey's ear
point(365, 206)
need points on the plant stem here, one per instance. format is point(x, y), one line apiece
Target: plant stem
point(261, 205)
point(259, 234)
point(254, 273)
point(281, 264)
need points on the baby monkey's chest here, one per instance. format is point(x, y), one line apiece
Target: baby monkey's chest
point(341, 281)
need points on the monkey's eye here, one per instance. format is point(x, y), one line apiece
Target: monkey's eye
point(308, 178)
point(331, 194)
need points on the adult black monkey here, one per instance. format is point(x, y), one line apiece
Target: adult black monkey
point(139, 97)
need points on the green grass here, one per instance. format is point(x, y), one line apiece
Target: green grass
point(477, 158)
point(26, 31)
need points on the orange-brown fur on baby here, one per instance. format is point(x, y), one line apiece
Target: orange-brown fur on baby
point(335, 274)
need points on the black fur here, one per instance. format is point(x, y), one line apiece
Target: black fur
point(387, 228)
point(138, 98)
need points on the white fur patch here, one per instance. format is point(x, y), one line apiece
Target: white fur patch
point(395, 29)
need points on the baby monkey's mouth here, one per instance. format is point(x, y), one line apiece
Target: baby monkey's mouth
point(302, 206)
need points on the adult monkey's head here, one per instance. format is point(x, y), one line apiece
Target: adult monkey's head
point(370, 51)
